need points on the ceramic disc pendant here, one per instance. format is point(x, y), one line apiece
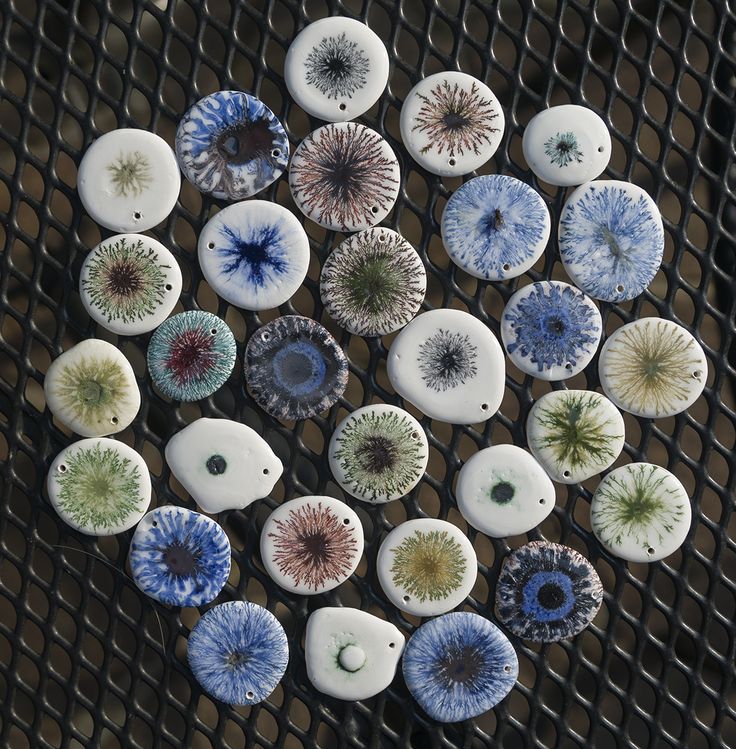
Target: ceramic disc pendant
point(458, 666)
point(99, 486)
point(351, 654)
point(551, 330)
point(495, 227)
point(575, 434)
point(224, 465)
point(451, 123)
point(503, 491)
point(129, 180)
point(426, 567)
point(652, 368)
point(231, 145)
point(547, 592)
point(238, 652)
point(611, 239)
point(378, 453)
point(344, 177)
point(191, 355)
point(295, 368)
point(449, 365)
point(373, 283)
point(129, 284)
point(254, 254)
point(567, 145)
point(179, 557)
point(336, 68)
point(92, 390)
point(641, 512)
point(312, 544)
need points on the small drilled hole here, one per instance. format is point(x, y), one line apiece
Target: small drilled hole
point(568, 366)
point(381, 237)
point(452, 162)
point(62, 468)
point(620, 289)
point(375, 209)
point(343, 106)
point(276, 153)
point(506, 267)
point(566, 474)
point(168, 287)
point(543, 501)
point(407, 599)
point(392, 644)
point(154, 524)
point(484, 406)
point(250, 695)
point(210, 245)
point(137, 215)
point(650, 551)
point(114, 420)
point(601, 149)
point(346, 521)
point(507, 668)
point(697, 374)
point(266, 471)
point(415, 435)
point(265, 336)
point(213, 331)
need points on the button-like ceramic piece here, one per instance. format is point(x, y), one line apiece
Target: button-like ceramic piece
point(449, 365)
point(179, 557)
point(99, 486)
point(312, 544)
point(641, 512)
point(547, 592)
point(378, 453)
point(373, 283)
point(427, 566)
point(351, 654)
point(611, 239)
point(223, 464)
point(128, 180)
point(567, 145)
point(238, 652)
point(231, 145)
point(458, 666)
point(451, 123)
point(91, 389)
point(129, 283)
point(254, 254)
point(503, 491)
point(336, 68)
point(652, 368)
point(495, 227)
point(551, 330)
point(575, 434)
point(295, 368)
point(344, 177)
point(191, 355)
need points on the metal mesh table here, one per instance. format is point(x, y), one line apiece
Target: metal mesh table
point(85, 659)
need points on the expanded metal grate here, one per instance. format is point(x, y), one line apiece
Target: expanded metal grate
point(88, 661)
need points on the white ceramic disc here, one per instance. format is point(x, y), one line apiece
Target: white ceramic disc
point(495, 227)
point(336, 68)
point(652, 368)
point(129, 180)
point(426, 567)
point(345, 177)
point(378, 453)
point(223, 464)
point(312, 544)
point(99, 486)
point(449, 365)
point(503, 491)
point(641, 512)
point(351, 654)
point(254, 254)
point(129, 283)
point(567, 145)
point(611, 239)
point(91, 388)
point(451, 123)
point(551, 330)
point(575, 434)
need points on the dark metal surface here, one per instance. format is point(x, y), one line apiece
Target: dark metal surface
point(85, 659)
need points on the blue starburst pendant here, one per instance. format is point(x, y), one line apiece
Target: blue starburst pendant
point(547, 592)
point(238, 652)
point(254, 254)
point(179, 557)
point(231, 145)
point(495, 227)
point(551, 330)
point(459, 665)
point(611, 239)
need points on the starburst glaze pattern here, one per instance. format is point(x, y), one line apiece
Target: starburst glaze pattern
point(373, 283)
point(130, 174)
point(447, 360)
point(337, 67)
point(344, 176)
point(611, 239)
point(562, 149)
point(652, 368)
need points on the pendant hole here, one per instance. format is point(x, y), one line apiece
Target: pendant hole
point(620, 288)
point(697, 374)
point(210, 245)
point(483, 406)
point(265, 336)
point(381, 237)
point(346, 521)
point(568, 367)
point(343, 106)
point(650, 550)
point(601, 149)
point(213, 331)
point(250, 695)
point(406, 599)
point(168, 287)
point(392, 644)
point(114, 420)
point(507, 668)
point(266, 471)
point(506, 267)
point(276, 153)
point(374, 209)
point(543, 501)
point(137, 215)
point(155, 524)
point(452, 162)
point(61, 468)
point(415, 435)
point(566, 474)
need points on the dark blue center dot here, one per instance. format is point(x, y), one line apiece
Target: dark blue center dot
point(548, 596)
point(216, 465)
point(502, 492)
